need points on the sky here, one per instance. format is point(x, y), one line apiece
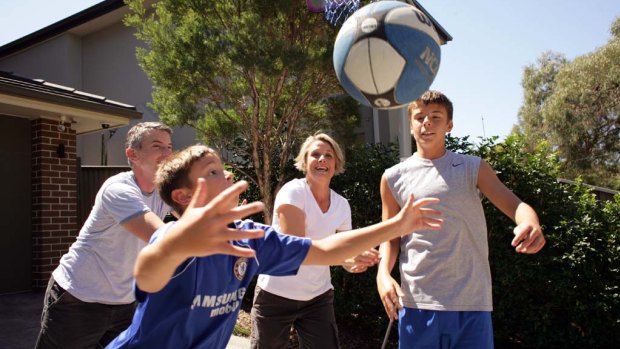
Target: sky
point(481, 68)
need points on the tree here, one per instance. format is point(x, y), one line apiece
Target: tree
point(538, 84)
point(249, 75)
point(575, 105)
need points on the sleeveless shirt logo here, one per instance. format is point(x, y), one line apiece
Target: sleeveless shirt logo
point(241, 266)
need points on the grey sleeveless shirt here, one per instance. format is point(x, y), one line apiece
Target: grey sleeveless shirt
point(446, 269)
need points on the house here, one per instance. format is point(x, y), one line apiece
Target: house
point(39, 124)
point(89, 51)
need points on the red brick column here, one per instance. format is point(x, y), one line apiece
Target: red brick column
point(54, 197)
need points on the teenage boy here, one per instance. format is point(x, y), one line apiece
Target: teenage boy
point(191, 279)
point(445, 275)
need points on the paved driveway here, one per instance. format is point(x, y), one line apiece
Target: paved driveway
point(20, 316)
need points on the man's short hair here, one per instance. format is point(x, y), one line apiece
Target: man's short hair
point(138, 131)
point(433, 97)
point(173, 173)
point(302, 158)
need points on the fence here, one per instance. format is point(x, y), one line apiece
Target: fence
point(602, 194)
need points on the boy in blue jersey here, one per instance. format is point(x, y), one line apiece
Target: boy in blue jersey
point(191, 279)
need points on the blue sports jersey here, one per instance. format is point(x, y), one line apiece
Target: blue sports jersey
point(198, 308)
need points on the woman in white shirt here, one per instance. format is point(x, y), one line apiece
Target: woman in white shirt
point(306, 207)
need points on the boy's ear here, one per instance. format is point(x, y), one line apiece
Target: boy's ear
point(181, 196)
point(450, 125)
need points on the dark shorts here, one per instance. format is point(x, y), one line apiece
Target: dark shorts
point(67, 322)
point(432, 329)
point(273, 316)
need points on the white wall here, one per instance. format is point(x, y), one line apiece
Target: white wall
point(110, 68)
point(57, 60)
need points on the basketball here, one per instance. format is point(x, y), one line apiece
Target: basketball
point(387, 54)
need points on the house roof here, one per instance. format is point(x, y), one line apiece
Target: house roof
point(34, 98)
point(61, 26)
point(108, 6)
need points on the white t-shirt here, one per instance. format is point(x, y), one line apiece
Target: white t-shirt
point(98, 268)
point(311, 280)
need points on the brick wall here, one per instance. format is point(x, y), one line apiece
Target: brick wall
point(54, 197)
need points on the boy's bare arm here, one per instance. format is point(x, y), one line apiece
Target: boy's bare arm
point(336, 248)
point(389, 209)
point(388, 288)
point(202, 230)
point(528, 234)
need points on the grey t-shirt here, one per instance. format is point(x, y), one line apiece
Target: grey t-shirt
point(99, 265)
point(446, 269)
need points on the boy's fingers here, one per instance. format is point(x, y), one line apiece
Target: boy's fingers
point(409, 201)
point(224, 198)
point(243, 211)
point(236, 234)
point(521, 236)
point(532, 242)
point(430, 211)
point(424, 201)
point(434, 223)
point(238, 251)
point(399, 292)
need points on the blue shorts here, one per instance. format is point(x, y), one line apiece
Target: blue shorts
point(431, 329)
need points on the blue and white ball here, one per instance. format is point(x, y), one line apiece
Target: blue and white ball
point(387, 54)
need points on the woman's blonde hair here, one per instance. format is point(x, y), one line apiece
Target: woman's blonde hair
point(302, 158)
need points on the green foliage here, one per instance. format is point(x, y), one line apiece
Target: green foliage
point(538, 84)
point(575, 105)
point(583, 111)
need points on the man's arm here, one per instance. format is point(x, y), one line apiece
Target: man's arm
point(143, 226)
point(528, 234)
point(389, 290)
point(201, 231)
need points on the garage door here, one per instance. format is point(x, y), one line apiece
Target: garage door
point(15, 225)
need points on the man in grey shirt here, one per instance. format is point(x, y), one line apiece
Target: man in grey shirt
point(89, 299)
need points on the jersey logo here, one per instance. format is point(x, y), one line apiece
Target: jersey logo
point(241, 266)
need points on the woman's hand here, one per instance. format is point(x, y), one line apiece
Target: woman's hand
point(362, 262)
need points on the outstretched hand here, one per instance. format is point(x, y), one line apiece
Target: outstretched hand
point(414, 216)
point(203, 228)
